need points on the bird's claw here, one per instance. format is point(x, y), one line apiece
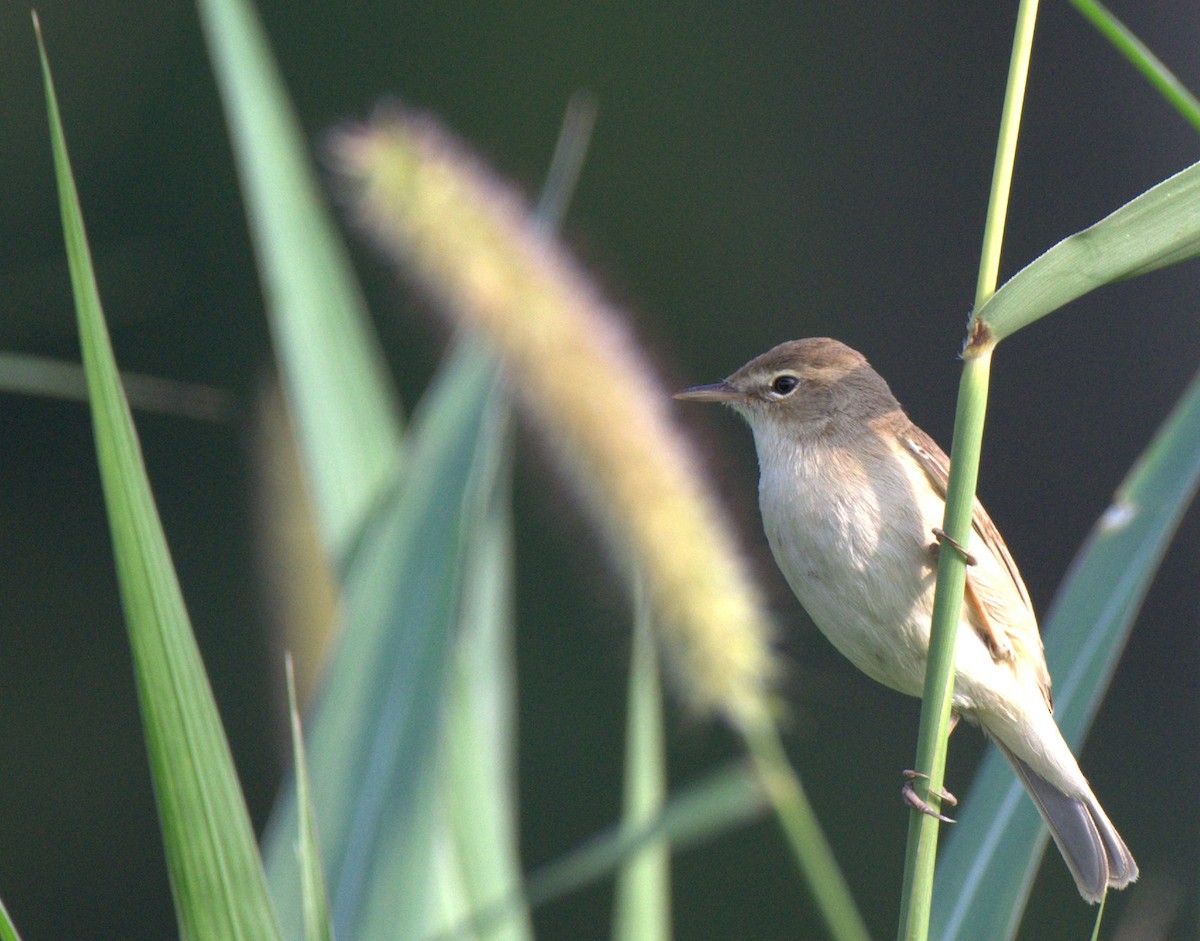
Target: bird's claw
point(940, 535)
point(916, 802)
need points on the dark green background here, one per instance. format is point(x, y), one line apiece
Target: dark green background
point(758, 173)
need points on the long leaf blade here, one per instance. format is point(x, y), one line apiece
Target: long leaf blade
point(478, 812)
point(1157, 229)
point(216, 874)
point(643, 894)
point(315, 901)
point(721, 801)
point(995, 849)
point(339, 391)
point(372, 747)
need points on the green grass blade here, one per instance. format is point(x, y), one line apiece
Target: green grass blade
point(373, 734)
point(479, 810)
point(721, 801)
point(1158, 228)
point(643, 897)
point(30, 374)
point(338, 388)
point(798, 819)
point(216, 875)
point(1142, 59)
point(995, 849)
point(317, 926)
point(574, 138)
point(8, 931)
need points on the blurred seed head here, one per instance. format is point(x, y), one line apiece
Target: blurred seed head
point(467, 239)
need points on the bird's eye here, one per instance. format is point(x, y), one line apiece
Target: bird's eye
point(784, 385)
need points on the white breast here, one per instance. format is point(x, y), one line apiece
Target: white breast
point(854, 549)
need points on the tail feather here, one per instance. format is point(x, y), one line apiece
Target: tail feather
point(1122, 869)
point(1090, 845)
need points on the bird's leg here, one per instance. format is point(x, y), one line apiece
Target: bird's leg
point(989, 632)
point(915, 801)
point(941, 537)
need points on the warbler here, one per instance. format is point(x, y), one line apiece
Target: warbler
point(852, 494)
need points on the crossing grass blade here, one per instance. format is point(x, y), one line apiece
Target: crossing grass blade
point(30, 374)
point(721, 801)
point(994, 851)
point(372, 735)
point(216, 875)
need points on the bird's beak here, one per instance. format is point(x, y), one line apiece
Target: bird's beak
point(715, 392)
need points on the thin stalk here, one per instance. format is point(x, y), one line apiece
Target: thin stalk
point(566, 164)
point(1141, 58)
point(1099, 919)
point(917, 897)
point(799, 822)
point(315, 899)
point(643, 890)
point(1006, 154)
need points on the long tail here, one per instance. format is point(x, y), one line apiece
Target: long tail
point(1093, 850)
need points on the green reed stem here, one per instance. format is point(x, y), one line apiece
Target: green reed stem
point(917, 897)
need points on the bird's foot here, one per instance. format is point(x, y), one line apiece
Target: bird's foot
point(958, 547)
point(916, 802)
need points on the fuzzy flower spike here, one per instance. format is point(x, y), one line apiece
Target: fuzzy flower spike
point(468, 240)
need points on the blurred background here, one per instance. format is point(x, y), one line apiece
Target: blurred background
point(758, 173)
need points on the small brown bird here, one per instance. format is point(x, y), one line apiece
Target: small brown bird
point(851, 494)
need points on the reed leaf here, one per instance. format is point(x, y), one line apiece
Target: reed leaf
point(216, 874)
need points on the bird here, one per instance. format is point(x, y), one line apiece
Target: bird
point(851, 494)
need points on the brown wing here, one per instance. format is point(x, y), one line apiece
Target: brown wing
point(1008, 637)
